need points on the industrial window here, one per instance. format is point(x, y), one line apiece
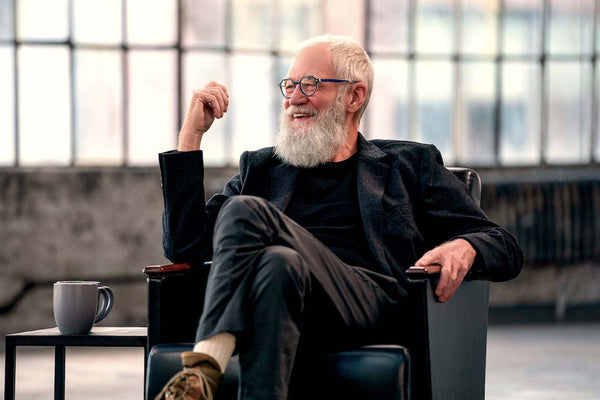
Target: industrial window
point(491, 83)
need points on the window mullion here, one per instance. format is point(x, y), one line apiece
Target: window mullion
point(498, 88)
point(457, 128)
point(594, 87)
point(16, 46)
point(73, 152)
point(543, 82)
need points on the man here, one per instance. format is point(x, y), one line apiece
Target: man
point(311, 239)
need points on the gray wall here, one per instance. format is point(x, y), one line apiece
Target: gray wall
point(104, 224)
point(79, 223)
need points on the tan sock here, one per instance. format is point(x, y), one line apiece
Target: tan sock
point(220, 347)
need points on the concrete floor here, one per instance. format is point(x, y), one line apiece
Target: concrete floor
point(525, 362)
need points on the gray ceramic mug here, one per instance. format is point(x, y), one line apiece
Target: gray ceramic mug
point(78, 305)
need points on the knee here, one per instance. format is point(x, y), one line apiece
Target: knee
point(242, 205)
point(237, 213)
point(284, 268)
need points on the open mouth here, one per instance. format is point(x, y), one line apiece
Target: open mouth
point(300, 115)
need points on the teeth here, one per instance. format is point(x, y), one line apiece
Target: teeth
point(299, 115)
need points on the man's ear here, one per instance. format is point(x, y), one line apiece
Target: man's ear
point(357, 96)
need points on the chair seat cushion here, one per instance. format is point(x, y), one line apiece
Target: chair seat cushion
point(371, 372)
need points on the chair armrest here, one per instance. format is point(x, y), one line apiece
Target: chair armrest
point(163, 271)
point(175, 301)
point(168, 270)
point(416, 272)
point(448, 340)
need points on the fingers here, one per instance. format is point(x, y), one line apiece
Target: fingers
point(214, 97)
point(456, 258)
point(446, 285)
point(208, 103)
point(450, 280)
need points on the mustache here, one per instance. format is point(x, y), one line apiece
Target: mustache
point(291, 110)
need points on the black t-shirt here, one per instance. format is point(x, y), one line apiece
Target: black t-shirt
point(325, 202)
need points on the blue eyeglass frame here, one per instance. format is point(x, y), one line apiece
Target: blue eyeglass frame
point(317, 80)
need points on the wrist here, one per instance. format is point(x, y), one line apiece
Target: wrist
point(189, 141)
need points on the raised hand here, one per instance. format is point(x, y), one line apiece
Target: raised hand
point(206, 104)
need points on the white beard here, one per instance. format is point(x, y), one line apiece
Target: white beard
point(315, 144)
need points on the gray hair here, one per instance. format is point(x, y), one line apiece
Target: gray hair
point(350, 60)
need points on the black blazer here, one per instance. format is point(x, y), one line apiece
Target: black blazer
point(409, 203)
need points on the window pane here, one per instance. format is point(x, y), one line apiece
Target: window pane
point(597, 29)
point(520, 123)
point(298, 20)
point(43, 19)
point(479, 27)
point(569, 120)
point(6, 20)
point(201, 28)
point(7, 106)
point(476, 114)
point(571, 26)
point(44, 114)
point(435, 26)
point(387, 112)
point(389, 26)
point(198, 70)
point(252, 24)
point(345, 17)
point(282, 66)
point(522, 26)
point(97, 21)
point(98, 107)
point(251, 97)
point(151, 22)
point(434, 105)
point(152, 105)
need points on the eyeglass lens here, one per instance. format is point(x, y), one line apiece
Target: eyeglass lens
point(308, 86)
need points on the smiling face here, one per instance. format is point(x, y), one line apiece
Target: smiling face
point(316, 61)
point(312, 129)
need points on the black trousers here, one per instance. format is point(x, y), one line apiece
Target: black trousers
point(288, 299)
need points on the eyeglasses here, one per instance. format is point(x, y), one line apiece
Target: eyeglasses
point(308, 85)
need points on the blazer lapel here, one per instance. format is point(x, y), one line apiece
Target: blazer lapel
point(281, 187)
point(372, 176)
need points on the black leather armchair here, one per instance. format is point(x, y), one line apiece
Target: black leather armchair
point(441, 357)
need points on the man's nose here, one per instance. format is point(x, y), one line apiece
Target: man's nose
point(297, 96)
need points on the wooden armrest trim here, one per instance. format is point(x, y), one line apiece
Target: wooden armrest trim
point(424, 270)
point(158, 271)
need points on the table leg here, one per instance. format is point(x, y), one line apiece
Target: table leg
point(59, 372)
point(9, 371)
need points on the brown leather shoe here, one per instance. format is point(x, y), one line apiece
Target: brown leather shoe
point(198, 380)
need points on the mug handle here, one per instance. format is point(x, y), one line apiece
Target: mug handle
point(107, 302)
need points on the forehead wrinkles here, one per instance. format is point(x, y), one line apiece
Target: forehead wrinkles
point(312, 60)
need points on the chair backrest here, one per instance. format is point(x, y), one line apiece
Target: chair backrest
point(471, 179)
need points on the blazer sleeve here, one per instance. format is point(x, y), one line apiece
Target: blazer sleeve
point(188, 222)
point(451, 213)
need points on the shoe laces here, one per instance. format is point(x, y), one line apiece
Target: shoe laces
point(179, 386)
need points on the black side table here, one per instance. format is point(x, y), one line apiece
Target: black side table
point(99, 337)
